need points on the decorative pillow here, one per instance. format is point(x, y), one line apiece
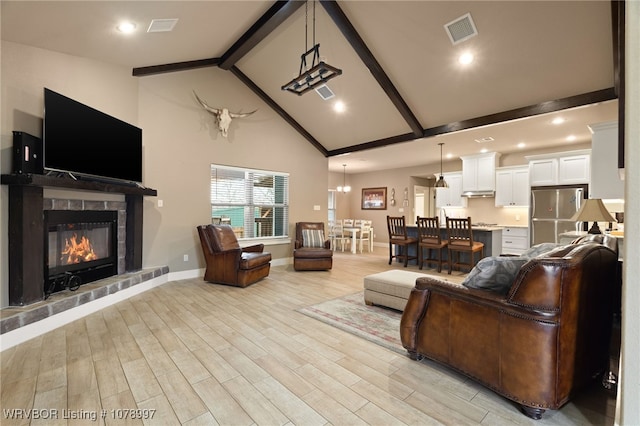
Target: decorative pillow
point(539, 249)
point(313, 238)
point(494, 273)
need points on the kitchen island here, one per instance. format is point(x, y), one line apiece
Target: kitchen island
point(490, 236)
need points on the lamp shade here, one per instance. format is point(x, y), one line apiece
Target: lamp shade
point(593, 210)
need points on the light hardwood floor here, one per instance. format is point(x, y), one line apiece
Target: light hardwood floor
point(194, 353)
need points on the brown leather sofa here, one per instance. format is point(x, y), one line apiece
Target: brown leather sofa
point(547, 337)
point(227, 262)
point(314, 255)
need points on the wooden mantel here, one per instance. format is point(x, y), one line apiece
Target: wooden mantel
point(26, 228)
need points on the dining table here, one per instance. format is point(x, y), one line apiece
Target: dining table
point(353, 230)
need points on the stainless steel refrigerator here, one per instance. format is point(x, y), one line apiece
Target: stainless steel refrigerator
point(551, 211)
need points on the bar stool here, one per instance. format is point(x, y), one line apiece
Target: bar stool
point(398, 236)
point(429, 238)
point(460, 239)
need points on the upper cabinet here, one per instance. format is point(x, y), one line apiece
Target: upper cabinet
point(478, 172)
point(561, 168)
point(451, 196)
point(512, 186)
point(605, 178)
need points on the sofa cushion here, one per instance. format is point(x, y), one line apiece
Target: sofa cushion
point(494, 273)
point(313, 238)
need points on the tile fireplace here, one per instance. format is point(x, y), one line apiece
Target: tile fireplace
point(80, 247)
point(27, 229)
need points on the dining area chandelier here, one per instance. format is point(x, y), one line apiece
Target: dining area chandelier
point(344, 188)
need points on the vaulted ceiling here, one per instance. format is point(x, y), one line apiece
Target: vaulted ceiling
point(402, 86)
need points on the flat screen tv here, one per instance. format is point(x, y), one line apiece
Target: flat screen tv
point(86, 142)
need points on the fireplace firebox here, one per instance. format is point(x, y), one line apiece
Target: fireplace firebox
point(80, 247)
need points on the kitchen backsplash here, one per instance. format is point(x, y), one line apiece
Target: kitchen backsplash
point(483, 210)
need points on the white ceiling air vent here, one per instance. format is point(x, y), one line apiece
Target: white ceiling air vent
point(162, 25)
point(461, 29)
point(324, 92)
point(484, 140)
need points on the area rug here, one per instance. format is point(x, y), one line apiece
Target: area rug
point(349, 313)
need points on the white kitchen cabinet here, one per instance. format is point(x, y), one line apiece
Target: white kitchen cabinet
point(543, 172)
point(605, 179)
point(574, 169)
point(560, 168)
point(515, 240)
point(478, 172)
point(451, 196)
point(512, 186)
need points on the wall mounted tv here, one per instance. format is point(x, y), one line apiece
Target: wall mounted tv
point(86, 142)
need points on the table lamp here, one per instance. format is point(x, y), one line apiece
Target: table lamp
point(593, 210)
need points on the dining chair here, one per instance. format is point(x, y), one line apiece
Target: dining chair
point(364, 235)
point(398, 236)
point(347, 223)
point(460, 240)
point(337, 235)
point(430, 238)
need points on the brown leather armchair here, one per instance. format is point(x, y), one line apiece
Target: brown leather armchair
point(316, 254)
point(227, 262)
point(538, 344)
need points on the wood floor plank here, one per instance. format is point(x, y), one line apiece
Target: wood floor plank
point(291, 406)
point(81, 376)
point(284, 374)
point(116, 408)
point(393, 405)
point(141, 379)
point(54, 403)
point(259, 408)
point(184, 401)
point(189, 365)
point(224, 408)
point(110, 376)
point(331, 409)
point(215, 364)
point(331, 386)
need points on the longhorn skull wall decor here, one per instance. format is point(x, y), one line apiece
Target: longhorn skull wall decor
point(222, 115)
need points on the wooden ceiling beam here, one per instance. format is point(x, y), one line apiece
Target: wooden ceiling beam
point(500, 117)
point(618, 30)
point(174, 67)
point(352, 36)
point(276, 15)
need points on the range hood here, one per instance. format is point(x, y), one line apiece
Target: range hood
point(479, 194)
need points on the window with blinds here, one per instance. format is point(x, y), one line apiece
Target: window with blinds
point(254, 202)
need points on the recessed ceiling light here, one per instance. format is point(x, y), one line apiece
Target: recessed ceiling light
point(449, 155)
point(558, 120)
point(126, 27)
point(571, 138)
point(483, 150)
point(521, 145)
point(466, 58)
point(339, 106)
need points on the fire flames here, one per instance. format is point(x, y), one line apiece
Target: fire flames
point(77, 250)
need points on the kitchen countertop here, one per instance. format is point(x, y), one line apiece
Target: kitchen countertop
point(475, 228)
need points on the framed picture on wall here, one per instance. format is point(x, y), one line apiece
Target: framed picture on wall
point(374, 198)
